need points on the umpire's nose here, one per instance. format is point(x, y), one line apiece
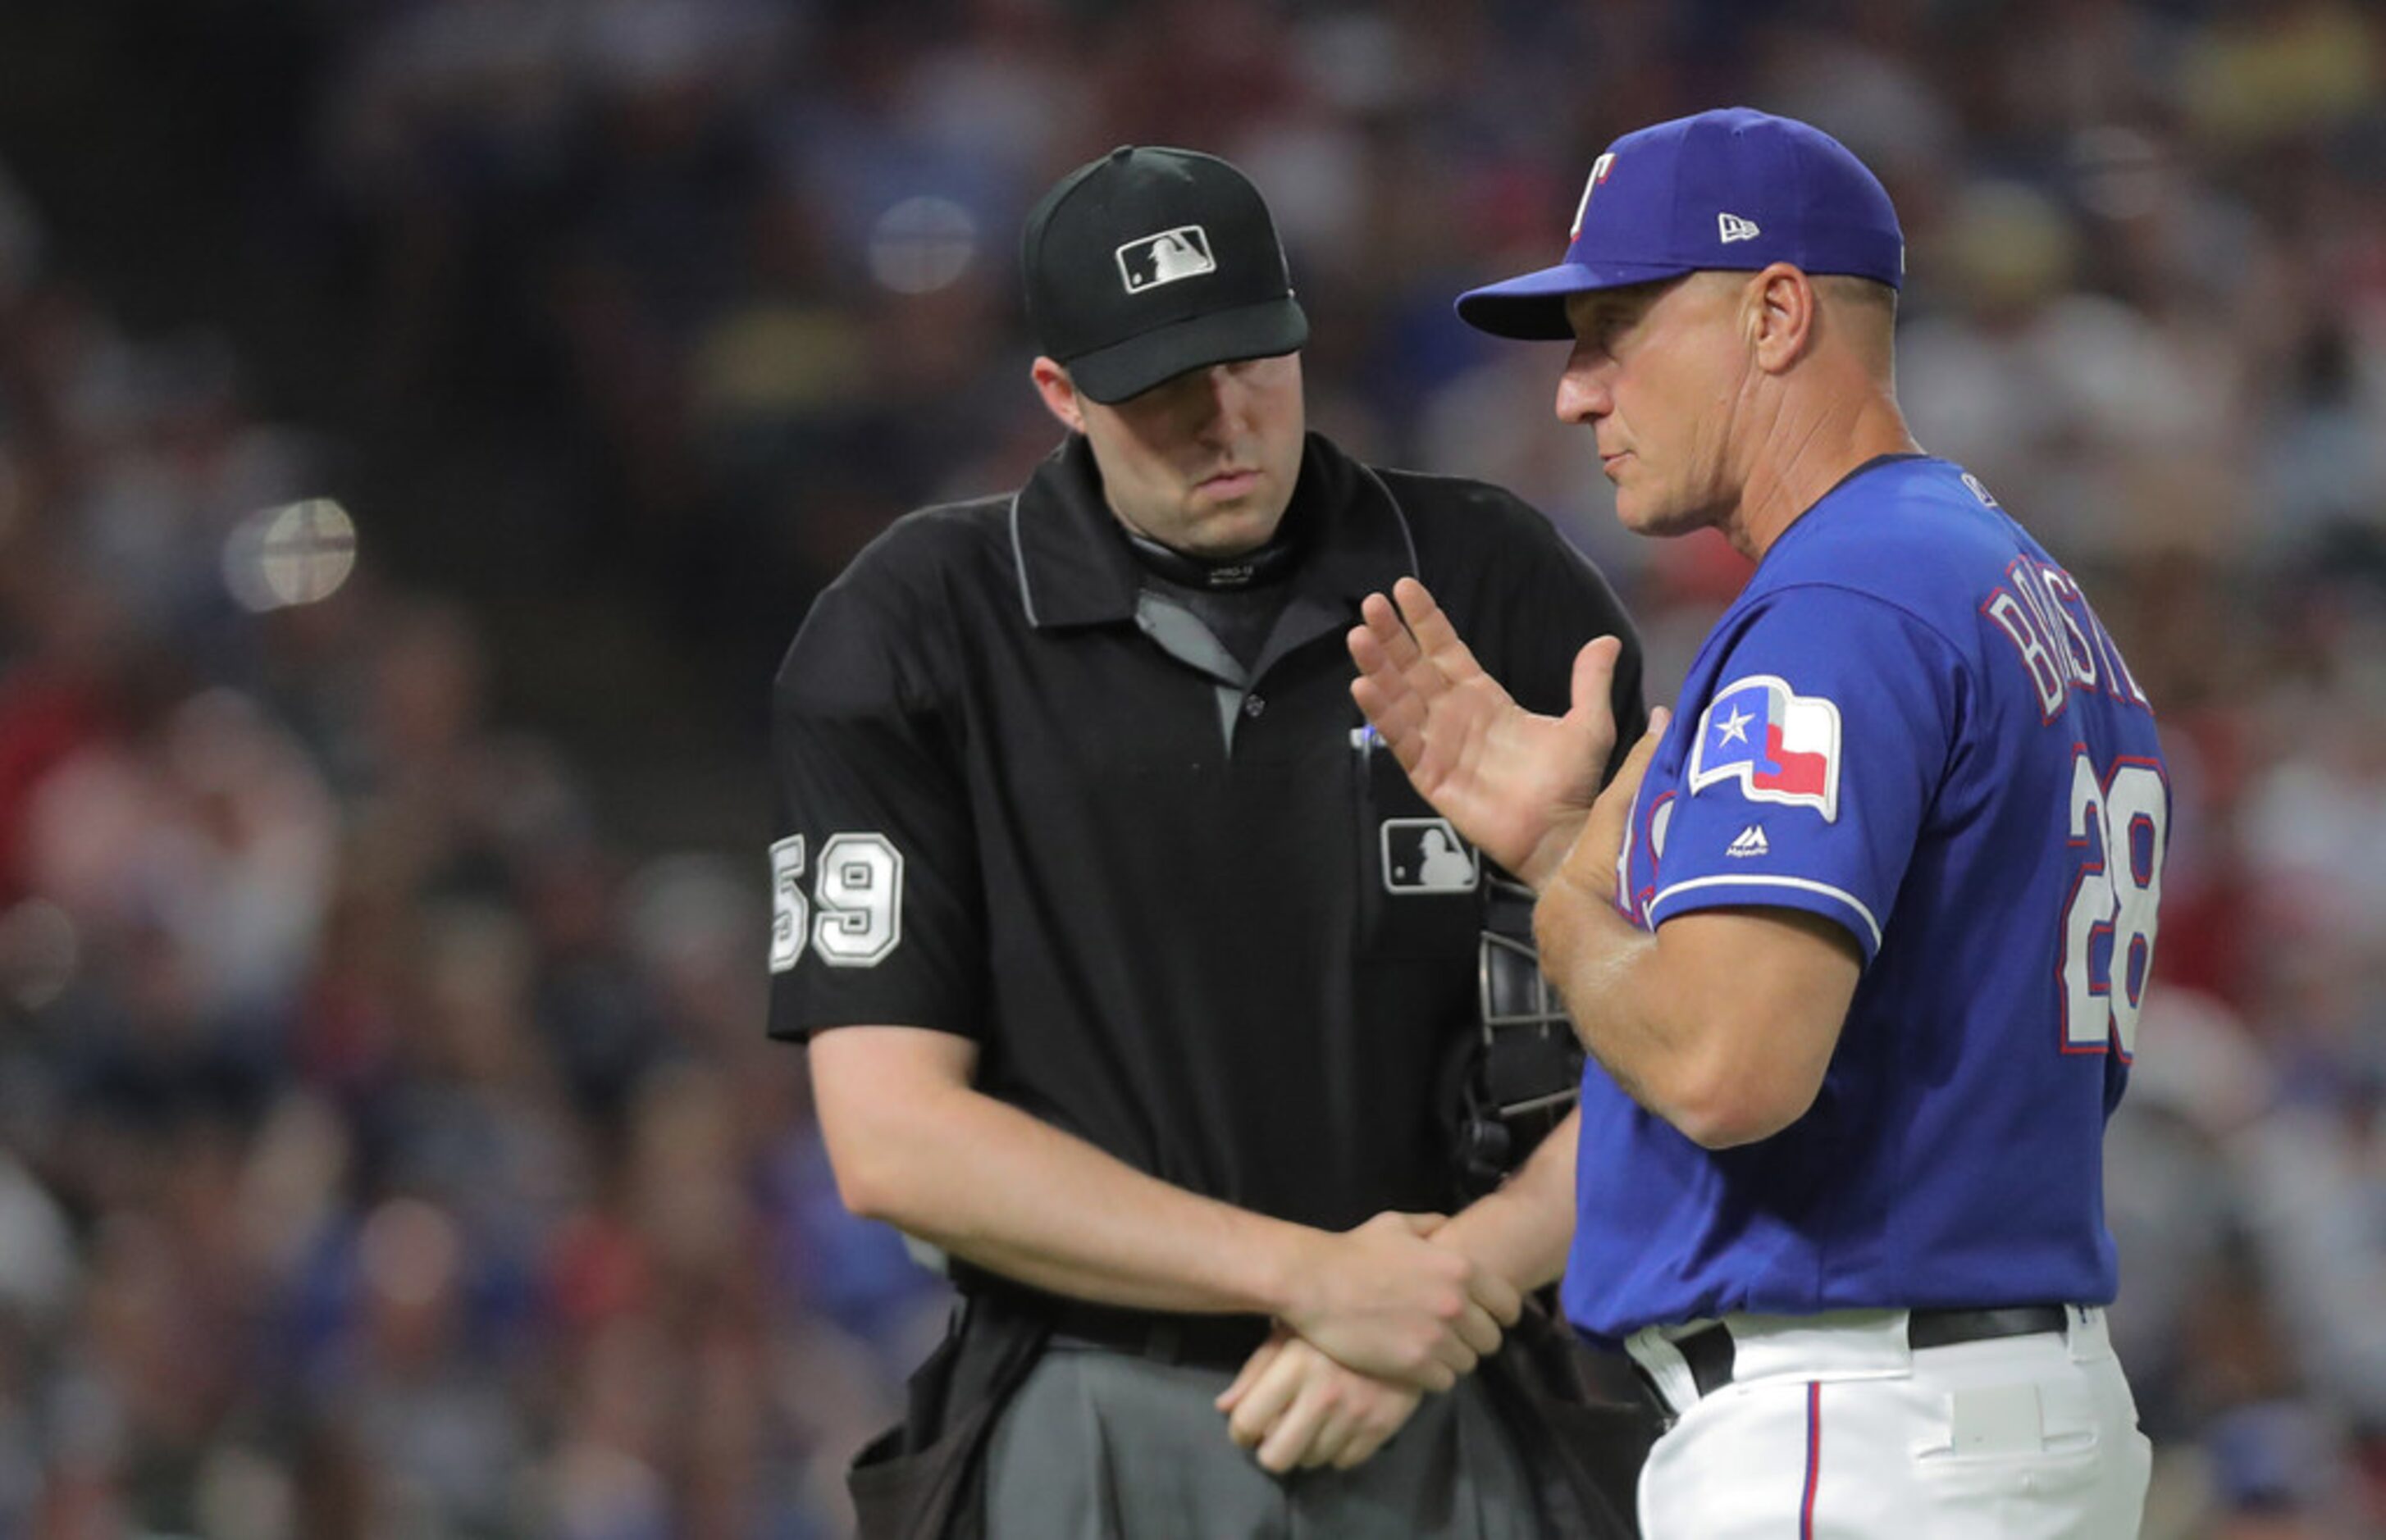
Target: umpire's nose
point(1225, 403)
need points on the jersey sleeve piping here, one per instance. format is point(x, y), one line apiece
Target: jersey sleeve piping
point(1770, 891)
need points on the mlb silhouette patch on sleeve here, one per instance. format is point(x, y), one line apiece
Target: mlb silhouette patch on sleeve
point(1425, 855)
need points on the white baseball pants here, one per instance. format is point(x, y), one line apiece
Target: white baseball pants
point(1834, 1429)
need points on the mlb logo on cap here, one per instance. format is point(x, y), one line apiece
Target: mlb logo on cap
point(1165, 257)
point(1107, 256)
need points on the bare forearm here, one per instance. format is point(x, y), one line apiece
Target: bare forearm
point(1722, 1023)
point(1522, 1231)
point(1598, 960)
point(1016, 1196)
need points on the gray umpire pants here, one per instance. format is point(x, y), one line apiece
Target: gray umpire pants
point(1106, 1445)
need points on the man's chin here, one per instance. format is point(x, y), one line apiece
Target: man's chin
point(1225, 530)
point(1654, 521)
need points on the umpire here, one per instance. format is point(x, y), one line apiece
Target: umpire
point(1145, 966)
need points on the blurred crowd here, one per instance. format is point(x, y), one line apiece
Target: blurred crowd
point(389, 1143)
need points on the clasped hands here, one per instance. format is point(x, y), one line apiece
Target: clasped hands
point(1381, 1315)
point(1340, 1378)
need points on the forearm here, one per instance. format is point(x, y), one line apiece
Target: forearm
point(1522, 1232)
point(1000, 1188)
point(1722, 1023)
point(1605, 969)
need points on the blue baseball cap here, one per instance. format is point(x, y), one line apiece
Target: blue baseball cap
point(1734, 189)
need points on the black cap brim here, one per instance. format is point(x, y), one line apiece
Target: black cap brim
point(1112, 374)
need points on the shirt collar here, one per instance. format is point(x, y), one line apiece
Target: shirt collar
point(1075, 566)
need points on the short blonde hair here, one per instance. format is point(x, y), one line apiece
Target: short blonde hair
point(1868, 309)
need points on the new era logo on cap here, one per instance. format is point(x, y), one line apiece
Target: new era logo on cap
point(1165, 257)
point(1731, 227)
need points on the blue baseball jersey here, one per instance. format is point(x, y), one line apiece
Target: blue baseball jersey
point(1912, 723)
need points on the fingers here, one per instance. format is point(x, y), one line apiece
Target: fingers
point(1253, 1367)
point(1594, 673)
point(1265, 1402)
point(1317, 1412)
point(1594, 689)
point(1424, 1224)
point(1391, 632)
point(1311, 1417)
point(1497, 1296)
point(1436, 639)
point(1476, 1328)
point(1388, 696)
point(1593, 856)
point(1388, 1410)
point(1457, 1355)
point(1333, 1434)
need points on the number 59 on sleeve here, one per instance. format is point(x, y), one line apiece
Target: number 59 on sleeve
point(858, 891)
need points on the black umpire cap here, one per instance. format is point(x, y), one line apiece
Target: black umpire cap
point(1152, 261)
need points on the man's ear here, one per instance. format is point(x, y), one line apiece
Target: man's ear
point(1782, 325)
point(1059, 393)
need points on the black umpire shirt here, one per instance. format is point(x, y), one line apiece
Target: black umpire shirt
point(1190, 912)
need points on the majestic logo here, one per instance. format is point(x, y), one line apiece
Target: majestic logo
point(1731, 227)
point(1425, 855)
point(1599, 170)
point(1780, 746)
point(1980, 490)
point(1751, 841)
point(1165, 257)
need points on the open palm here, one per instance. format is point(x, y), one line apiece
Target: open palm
point(1517, 784)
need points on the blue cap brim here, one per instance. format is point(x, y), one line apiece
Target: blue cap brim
point(1532, 307)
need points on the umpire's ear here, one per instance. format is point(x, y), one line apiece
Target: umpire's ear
point(1059, 393)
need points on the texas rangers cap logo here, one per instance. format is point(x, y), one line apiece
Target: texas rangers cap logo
point(1780, 745)
point(1599, 170)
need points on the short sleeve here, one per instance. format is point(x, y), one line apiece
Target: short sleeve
point(1813, 762)
point(877, 917)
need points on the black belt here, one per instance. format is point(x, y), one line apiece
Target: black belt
point(1708, 1350)
point(1208, 1340)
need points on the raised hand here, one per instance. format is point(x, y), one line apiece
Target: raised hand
point(1591, 861)
point(1383, 1299)
point(1296, 1406)
point(1517, 784)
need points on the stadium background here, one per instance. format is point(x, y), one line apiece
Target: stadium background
point(388, 1142)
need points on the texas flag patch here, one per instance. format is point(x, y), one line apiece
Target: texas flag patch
point(1780, 745)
